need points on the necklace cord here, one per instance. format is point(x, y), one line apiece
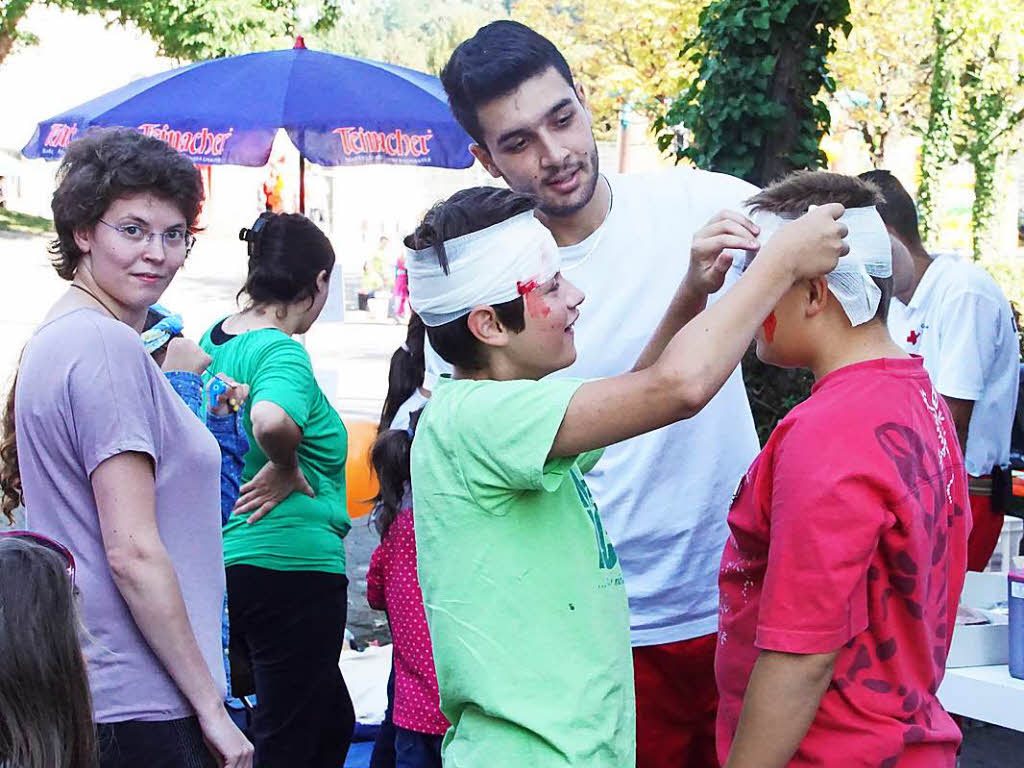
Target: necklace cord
point(97, 299)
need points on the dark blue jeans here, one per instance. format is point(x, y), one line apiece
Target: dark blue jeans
point(384, 746)
point(417, 750)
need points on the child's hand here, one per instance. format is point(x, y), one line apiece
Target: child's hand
point(812, 245)
point(709, 261)
point(185, 355)
point(231, 399)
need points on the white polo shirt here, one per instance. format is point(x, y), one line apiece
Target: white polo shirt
point(664, 496)
point(960, 322)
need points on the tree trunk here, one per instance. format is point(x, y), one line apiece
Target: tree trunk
point(13, 12)
point(774, 162)
point(983, 209)
point(937, 148)
point(6, 43)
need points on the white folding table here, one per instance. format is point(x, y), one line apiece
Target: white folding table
point(988, 694)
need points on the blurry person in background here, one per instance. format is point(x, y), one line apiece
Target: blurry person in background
point(954, 315)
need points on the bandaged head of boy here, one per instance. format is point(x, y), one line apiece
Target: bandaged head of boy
point(859, 288)
point(482, 249)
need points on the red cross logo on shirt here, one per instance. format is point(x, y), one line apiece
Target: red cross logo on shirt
point(913, 337)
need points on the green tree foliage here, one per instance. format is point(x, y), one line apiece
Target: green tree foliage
point(189, 29)
point(990, 106)
point(754, 109)
point(625, 52)
point(882, 71)
point(411, 33)
point(937, 149)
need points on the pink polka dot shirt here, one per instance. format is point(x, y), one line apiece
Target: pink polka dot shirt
point(393, 586)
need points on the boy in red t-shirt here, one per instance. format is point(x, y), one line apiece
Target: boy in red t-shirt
point(840, 580)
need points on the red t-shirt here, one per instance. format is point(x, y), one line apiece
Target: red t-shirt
point(848, 533)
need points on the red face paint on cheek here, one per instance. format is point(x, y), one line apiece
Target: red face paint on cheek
point(535, 304)
point(769, 327)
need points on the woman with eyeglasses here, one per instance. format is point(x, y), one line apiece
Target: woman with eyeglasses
point(45, 713)
point(108, 459)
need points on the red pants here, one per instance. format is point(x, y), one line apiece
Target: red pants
point(676, 704)
point(984, 534)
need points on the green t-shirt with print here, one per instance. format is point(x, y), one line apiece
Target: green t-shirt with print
point(523, 591)
point(300, 533)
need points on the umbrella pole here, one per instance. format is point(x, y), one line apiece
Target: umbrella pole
point(302, 184)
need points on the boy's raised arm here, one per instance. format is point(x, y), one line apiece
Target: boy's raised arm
point(702, 355)
point(709, 264)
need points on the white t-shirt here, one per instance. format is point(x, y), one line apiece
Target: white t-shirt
point(960, 322)
point(663, 496)
point(403, 416)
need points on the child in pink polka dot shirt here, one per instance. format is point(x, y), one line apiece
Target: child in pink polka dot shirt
point(392, 584)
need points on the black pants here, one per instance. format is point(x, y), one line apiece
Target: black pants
point(157, 744)
point(290, 626)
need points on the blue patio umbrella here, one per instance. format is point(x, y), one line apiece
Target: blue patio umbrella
point(337, 110)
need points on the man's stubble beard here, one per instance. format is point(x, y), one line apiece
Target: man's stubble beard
point(562, 211)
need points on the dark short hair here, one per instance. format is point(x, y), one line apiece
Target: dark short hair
point(494, 62)
point(795, 193)
point(286, 255)
point(465, 212)
point(897, 208)
point(110, 163)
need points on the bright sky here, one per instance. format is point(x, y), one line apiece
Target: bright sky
point(77, 59)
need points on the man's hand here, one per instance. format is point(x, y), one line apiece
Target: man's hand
point(709, 262)
point(185, 355)
point(812, 245)
point(268, 488)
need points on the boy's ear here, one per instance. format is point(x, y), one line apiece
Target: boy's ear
point(479, 151)
point(818, 296)
point(485, 326)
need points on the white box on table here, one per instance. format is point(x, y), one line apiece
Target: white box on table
point(981, 645)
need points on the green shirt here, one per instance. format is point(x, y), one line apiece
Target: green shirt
point(523, 591)
point(300, 533)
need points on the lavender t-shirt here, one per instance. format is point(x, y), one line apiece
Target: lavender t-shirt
point(88, 391)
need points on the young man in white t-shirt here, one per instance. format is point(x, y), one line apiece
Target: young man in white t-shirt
point(954, 315)
point(624, 242)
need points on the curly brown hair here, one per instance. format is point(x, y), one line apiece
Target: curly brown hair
point(101, 167)
point(10, 476)
point(106, 165)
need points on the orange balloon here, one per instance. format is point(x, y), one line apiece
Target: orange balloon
point(360, 479)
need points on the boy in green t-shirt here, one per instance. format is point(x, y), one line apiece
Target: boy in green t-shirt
point(522, 588)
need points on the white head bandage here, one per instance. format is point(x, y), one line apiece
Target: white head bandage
point(870, 256)
point(492, 266)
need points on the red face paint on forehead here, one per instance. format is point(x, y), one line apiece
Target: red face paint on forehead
point(528, 287)
point(769, 327)
point(535, 304)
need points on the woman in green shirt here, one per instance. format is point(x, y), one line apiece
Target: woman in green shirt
point(283, 547)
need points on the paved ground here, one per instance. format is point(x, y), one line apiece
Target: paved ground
point(351, 360)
